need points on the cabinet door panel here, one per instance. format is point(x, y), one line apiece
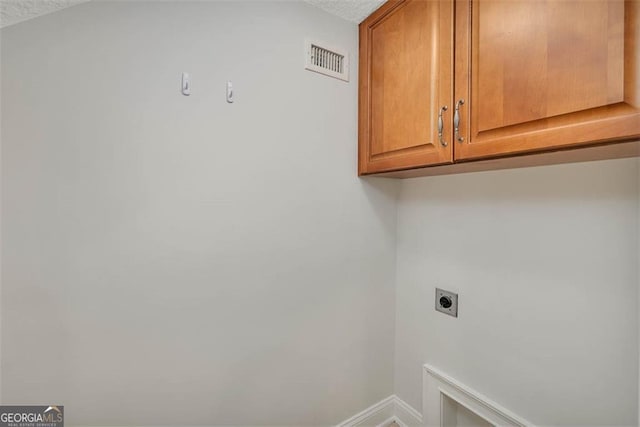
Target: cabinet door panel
point(406, 58)
point(545, 74)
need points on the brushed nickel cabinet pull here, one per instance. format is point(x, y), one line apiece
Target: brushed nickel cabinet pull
point(456, 121)
point(441, 126)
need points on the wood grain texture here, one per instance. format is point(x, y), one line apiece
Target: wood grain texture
point(613, 150)
point(406, 75)
point(545, 74)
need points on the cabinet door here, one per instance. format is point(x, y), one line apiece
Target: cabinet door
point(545, 74)
point(406, 77)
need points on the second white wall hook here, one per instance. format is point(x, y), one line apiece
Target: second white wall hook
point(229, 92)
point(186, 84)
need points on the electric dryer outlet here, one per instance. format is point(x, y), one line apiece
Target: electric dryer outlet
point(447, 302)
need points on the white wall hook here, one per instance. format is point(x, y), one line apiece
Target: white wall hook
point(186, 84)
point(229, 92)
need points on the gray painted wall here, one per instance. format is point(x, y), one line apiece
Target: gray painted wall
point(179, 260)
point(545, 263)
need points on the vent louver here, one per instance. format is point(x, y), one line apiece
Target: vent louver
point(328, 61)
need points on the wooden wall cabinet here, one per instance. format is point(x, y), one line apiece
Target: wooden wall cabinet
point(507, 78)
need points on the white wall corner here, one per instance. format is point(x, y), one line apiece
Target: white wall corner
point(406, 414)
point(384, 413)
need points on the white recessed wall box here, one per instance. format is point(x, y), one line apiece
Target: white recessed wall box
point(328, 60)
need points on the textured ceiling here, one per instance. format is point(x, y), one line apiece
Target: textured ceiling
point(14, 11)
point(351, 10)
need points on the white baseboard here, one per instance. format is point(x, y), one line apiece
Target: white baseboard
point(382, 414)
point(407, 414)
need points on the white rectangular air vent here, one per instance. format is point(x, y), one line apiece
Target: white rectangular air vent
point(328, 61)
